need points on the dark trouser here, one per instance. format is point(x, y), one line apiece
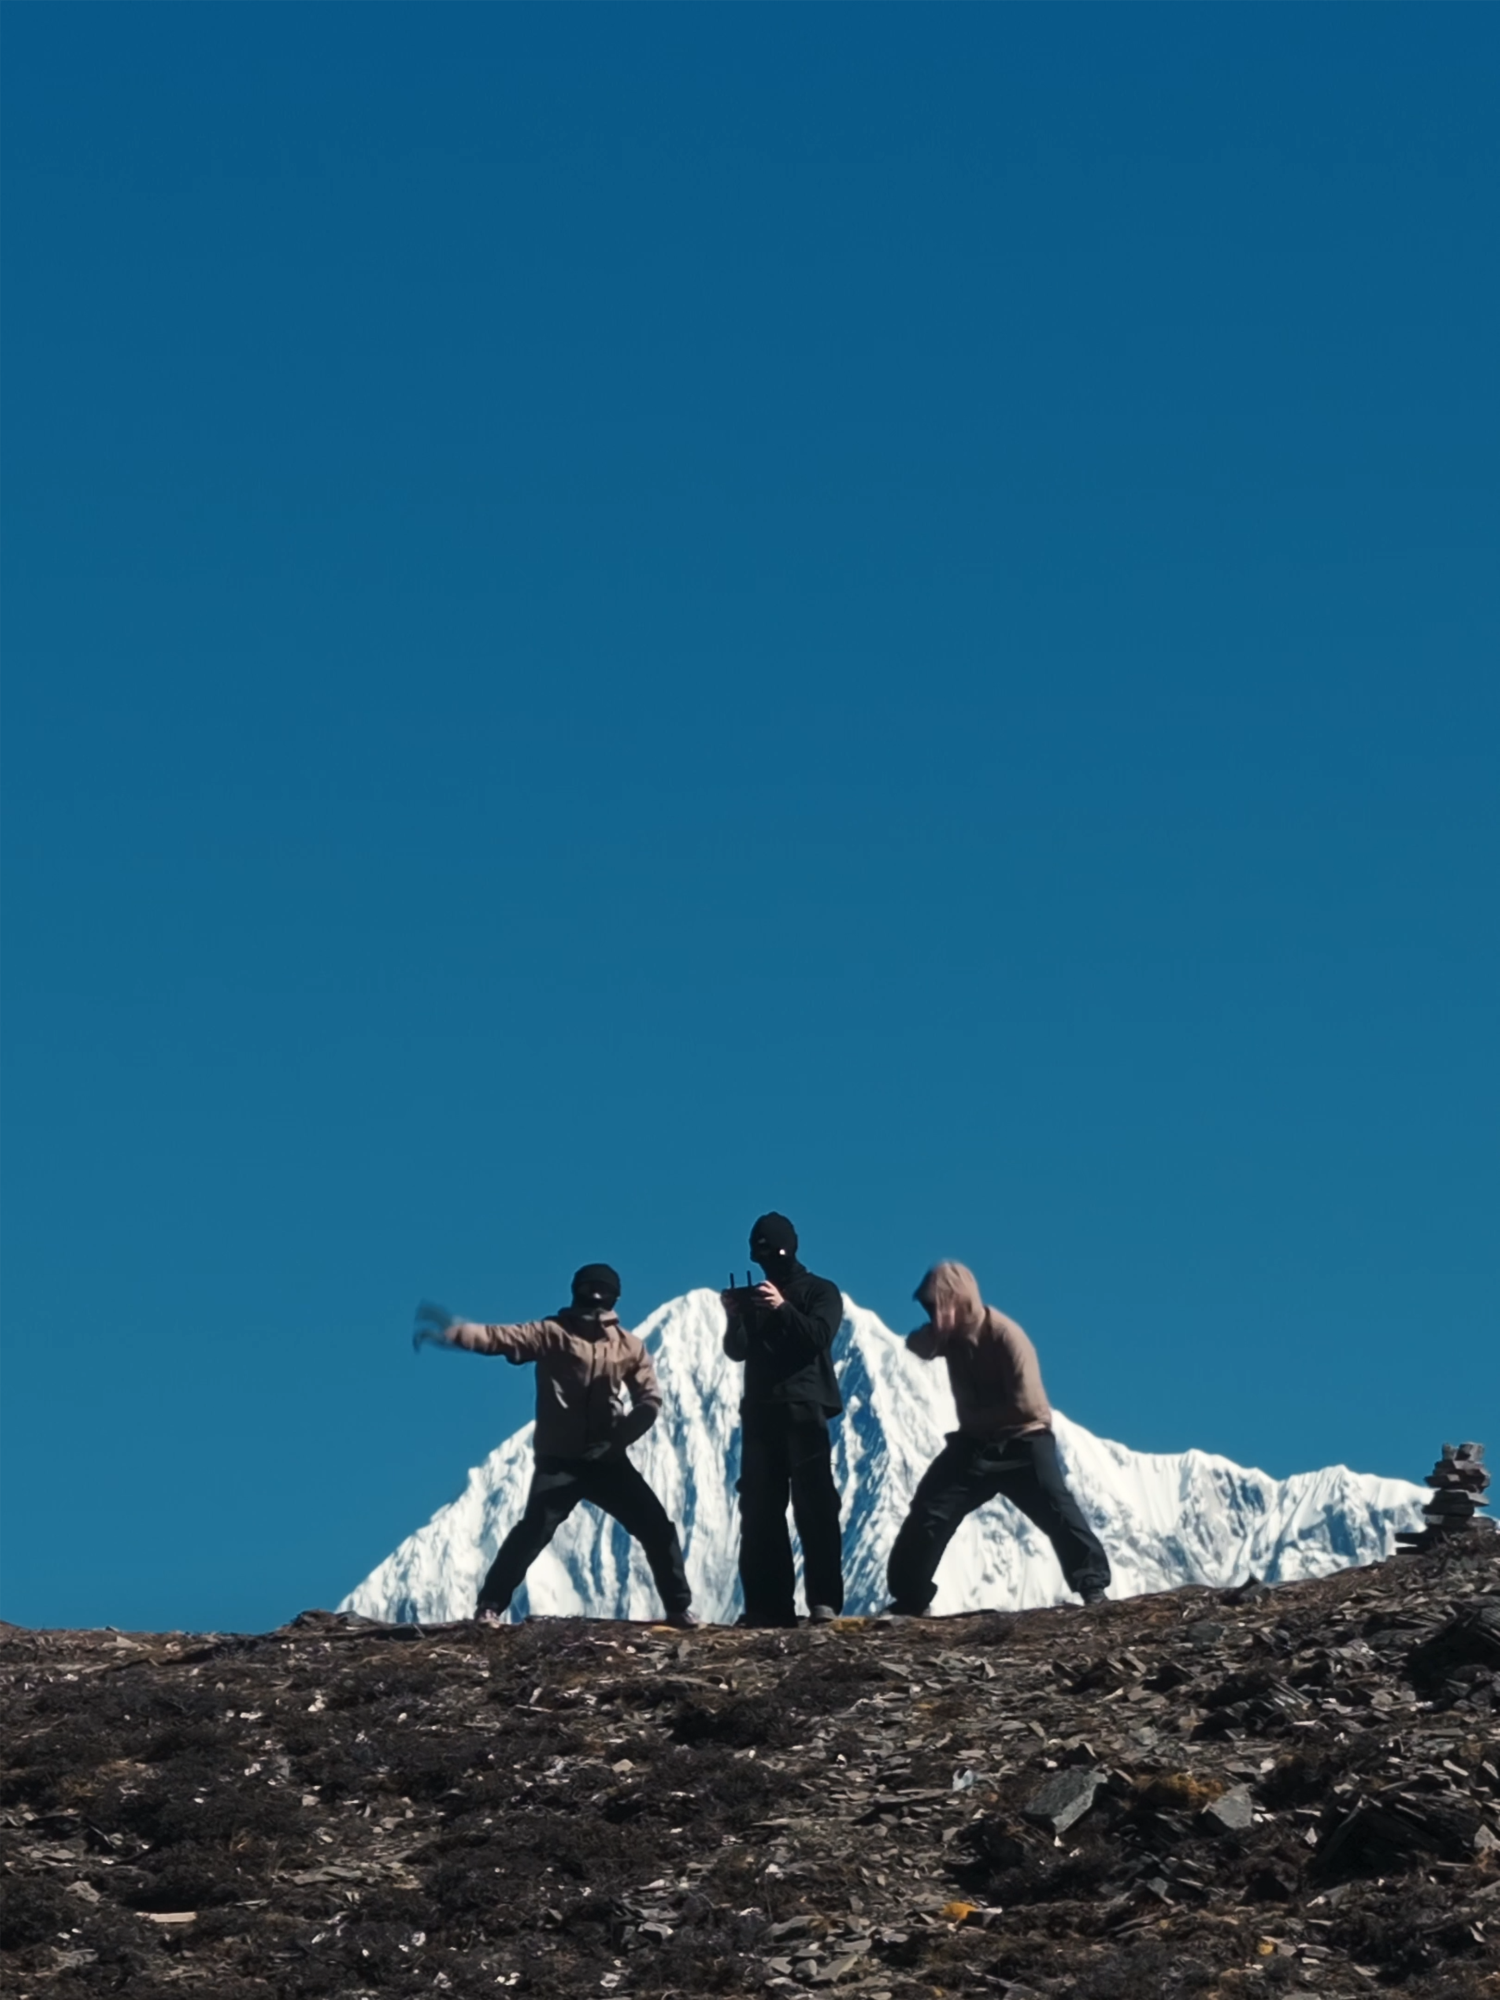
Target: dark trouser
point(786, 1453)
point(967, 1472)
point(613, 1484)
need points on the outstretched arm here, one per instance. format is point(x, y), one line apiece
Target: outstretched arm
point(521, 1342)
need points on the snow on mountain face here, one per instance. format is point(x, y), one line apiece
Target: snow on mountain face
point(1165, 1519)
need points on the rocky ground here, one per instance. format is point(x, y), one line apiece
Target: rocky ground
point(1261, 1791)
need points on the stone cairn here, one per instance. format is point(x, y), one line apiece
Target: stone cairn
point(1458, 1483)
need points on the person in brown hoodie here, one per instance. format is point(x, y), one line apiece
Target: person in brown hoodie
point(1003, 1445)
point(586, 1363)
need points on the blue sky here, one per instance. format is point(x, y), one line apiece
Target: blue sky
point(618, 617)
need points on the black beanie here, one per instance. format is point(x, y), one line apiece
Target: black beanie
point(595, 1285)
point(772, 1232)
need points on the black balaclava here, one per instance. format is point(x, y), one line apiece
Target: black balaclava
point(773, 1243)
point(595, 1288)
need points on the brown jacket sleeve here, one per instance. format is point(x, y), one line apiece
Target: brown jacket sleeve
point(526, 1341)
point(645, 1401)
point(926, 1343)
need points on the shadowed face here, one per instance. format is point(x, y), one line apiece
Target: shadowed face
point(940, 1311)
point(950, 1297)
point(771, 1257)
point(596, 1287)
point(773, 1244)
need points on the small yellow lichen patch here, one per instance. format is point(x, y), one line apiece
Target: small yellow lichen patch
point(1180, 1788)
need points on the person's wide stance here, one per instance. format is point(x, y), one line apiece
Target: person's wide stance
point(1003, 1447)
point(783, 1331)
point(586, 1363)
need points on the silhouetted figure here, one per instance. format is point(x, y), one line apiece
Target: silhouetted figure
point(1003, 1446)
point(783, 1331)
point(586, 1363)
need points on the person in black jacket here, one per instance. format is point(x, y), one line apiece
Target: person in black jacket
point(783, 1331)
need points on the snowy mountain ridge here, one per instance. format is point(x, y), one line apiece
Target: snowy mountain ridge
point(1166, 1519)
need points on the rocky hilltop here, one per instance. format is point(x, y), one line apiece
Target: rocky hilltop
point(1253, 1791)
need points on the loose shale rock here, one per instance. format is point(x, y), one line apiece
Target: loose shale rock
point(1265, 1791)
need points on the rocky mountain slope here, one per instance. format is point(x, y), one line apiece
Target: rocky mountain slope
point(1244, 1792)
point(1166, 1519)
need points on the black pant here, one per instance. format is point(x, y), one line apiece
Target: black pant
point(967, 1472)
point(613, 1484)
point(786, 1453)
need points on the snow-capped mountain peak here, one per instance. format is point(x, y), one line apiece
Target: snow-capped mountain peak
point(1166, 1519)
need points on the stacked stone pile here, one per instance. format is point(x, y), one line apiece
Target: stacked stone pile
point(1459, 1480)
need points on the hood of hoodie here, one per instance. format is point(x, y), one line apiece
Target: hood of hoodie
point(953, 1285)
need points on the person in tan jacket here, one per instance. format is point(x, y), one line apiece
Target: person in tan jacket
point(587, 1365)
point(1003, 1446)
